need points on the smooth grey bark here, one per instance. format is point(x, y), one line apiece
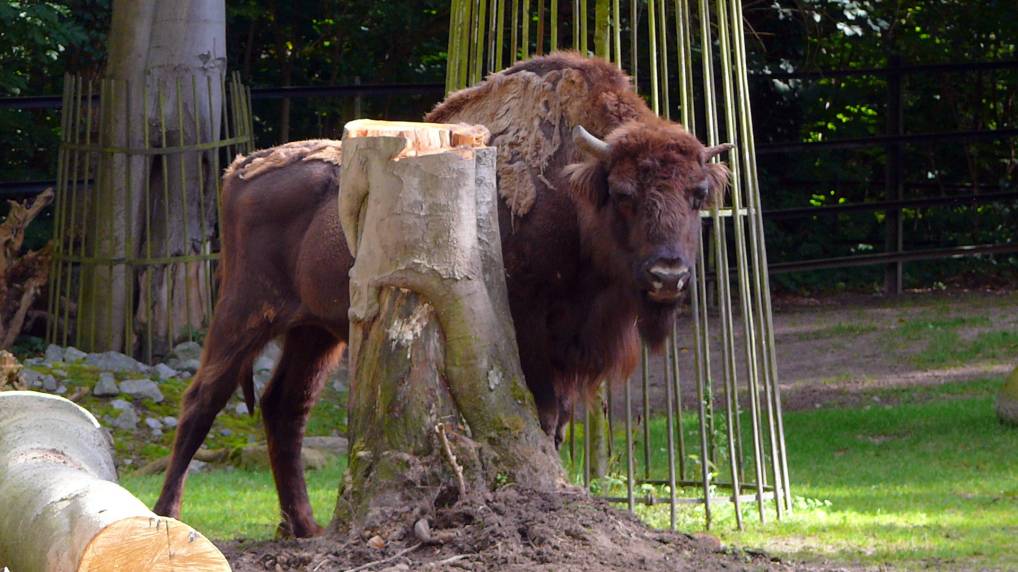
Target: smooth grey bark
point(160, 51)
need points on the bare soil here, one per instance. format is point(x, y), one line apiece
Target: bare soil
point(838, 350)
point(512, 531)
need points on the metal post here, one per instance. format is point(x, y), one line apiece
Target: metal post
point(894, 240)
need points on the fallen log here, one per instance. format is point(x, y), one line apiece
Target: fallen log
point(62, 508)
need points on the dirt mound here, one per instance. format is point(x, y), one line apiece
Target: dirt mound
point(512, 530)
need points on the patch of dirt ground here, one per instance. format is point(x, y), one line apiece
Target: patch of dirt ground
point(838, 350)
point(513, 531)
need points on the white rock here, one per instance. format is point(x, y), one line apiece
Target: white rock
point(73, 354)
point(128, 419)
point(240, 409)
point(189, 365)
point(144, 388)
point(153, 423)
point(106, 386)
point(54, 353)
point(187, 350)
point(121, 405)
point(115, 361)
point(49, 383)
point(170, 421)
point(163, 371)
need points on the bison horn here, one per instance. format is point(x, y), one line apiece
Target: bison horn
point(590, 144)
point(711, 152)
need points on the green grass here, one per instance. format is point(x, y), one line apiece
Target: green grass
point(929, 482)
point(228, 504)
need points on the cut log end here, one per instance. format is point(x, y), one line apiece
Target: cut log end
point(154, 544)
point(422, 138)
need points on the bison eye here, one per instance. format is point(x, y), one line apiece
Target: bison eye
point(700, 195)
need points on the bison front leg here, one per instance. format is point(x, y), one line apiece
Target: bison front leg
point(308, 354)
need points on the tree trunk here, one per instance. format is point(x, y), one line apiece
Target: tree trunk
point(62, 507)
point(439, 409)
point(167, 61)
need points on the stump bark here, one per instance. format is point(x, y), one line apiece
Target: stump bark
point(62, 508)
point(439, 410)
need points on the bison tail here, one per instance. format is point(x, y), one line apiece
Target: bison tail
point(247, 386)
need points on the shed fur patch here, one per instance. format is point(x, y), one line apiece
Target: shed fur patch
point(265, 160)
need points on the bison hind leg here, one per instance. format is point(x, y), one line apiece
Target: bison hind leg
point(309, 352)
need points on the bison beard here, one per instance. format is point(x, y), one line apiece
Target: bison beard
point(598, 239)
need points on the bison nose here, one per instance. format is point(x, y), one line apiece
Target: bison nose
point(669, 274)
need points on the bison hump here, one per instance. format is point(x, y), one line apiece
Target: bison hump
point(531, 114)
point(267, 160)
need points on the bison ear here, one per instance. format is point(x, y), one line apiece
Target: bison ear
point(717, 181)
point(588, 182)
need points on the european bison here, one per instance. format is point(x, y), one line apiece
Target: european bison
point(598, 239)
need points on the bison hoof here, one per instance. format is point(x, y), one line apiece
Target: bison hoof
point(286, 530)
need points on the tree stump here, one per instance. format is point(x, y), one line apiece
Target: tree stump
point(439, 410)
point(62, 508)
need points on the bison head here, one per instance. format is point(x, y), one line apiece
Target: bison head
point(638, 197)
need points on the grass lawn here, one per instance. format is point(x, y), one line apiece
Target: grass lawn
point(230, 504)
point(931, 481)
point(930, 484)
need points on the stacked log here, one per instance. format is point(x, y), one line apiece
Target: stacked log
point(62, 507)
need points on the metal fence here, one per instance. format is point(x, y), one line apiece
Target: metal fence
point(137, 209)
point(731, 448)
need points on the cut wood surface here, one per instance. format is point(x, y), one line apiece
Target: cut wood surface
point(62, 508)
point(421, 138)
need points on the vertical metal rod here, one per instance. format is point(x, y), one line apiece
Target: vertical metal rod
point(630, 468)
point(514, 41)
point(671, 436)
point(616, 33)
point(500, 35)
point(129, 253)
point(752, 373)
point(553, 23)
point(168, 267)
point(610, 413)
point(582, 27)
point(75, 198)
point(663, 59)
point(586, 446)
point(205, 248)
point(525, 22)
point(450, 62)
point(492, 30)
point(760, 258)
point(645, 373)
point(633, 44)
point(721, 267)
point(482, 15)
point(674, 341)
point(702, 364)
point(572, 435)
point(184, 208)
point(540, 28)
point(652, 36)
point(56, 264)
point(147, 173)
